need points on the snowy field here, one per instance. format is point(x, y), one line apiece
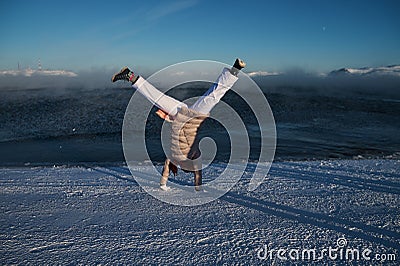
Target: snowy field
point(100, 215)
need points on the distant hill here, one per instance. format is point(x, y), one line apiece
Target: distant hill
point(387, 70)
point(376, 71)
point(33, 72)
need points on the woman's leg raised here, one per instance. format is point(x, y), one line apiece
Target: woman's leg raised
point(222, 85)
point(156, 97)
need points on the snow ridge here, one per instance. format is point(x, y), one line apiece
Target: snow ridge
point(31, 72)
point(386, 70)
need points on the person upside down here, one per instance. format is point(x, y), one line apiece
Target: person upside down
point(185, 119)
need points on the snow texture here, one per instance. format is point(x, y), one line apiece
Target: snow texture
point(100, 215)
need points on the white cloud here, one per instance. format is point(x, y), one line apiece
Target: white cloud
point(168, 8)
point(262, 73)
point(145, 17)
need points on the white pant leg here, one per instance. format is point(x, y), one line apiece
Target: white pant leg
point(211, 97)
point(156, 97)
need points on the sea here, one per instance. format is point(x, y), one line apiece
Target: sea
point(49, 126)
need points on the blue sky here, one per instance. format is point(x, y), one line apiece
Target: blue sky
point(269, 35)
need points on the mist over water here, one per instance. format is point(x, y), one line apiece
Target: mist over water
point(336, 85)
point(53, 120)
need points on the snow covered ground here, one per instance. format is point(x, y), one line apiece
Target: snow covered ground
point(100, 215)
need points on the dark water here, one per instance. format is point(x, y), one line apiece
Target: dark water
point(45, 126)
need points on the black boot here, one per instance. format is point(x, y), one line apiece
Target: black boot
point(125, 74)
point(237, 66)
